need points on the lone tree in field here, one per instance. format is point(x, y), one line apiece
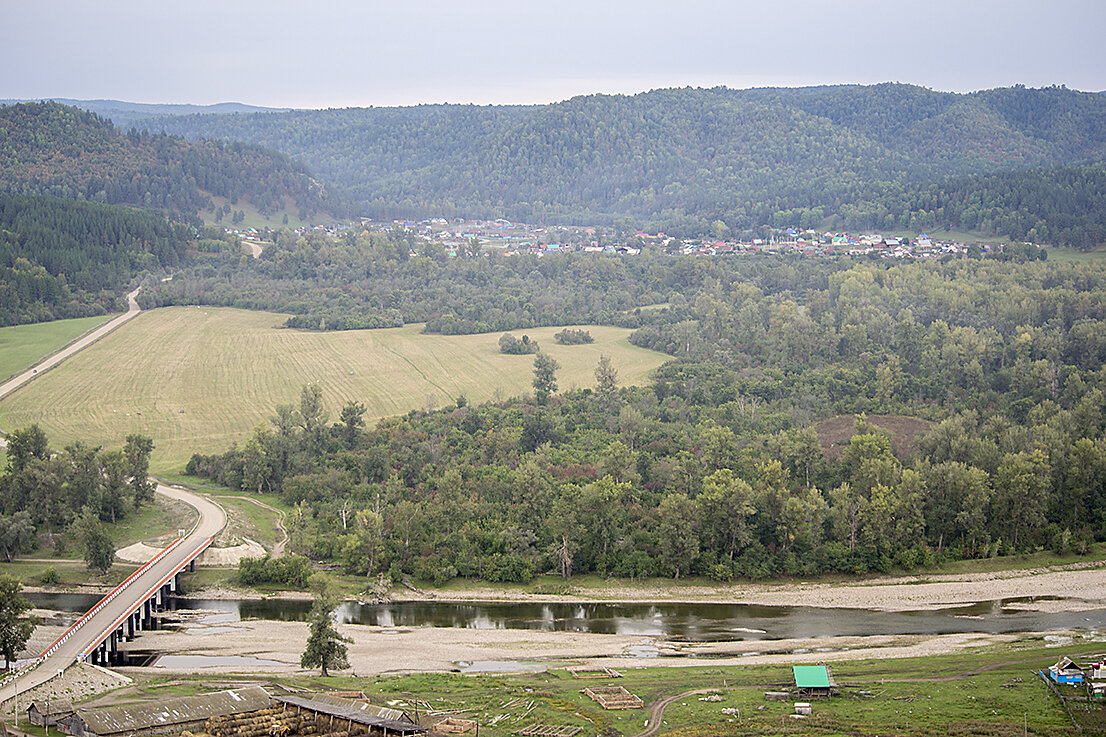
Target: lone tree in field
point(326, 647)
point(545, 377)
point(15, 629)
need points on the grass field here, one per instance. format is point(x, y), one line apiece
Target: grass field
point(22, 345)
point(985, 692)
point(197, 379)
point(1096, 256)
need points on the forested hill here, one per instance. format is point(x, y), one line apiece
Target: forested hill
point(63, 258)
point(124, 114)
point(48, 148)
point(677, 158)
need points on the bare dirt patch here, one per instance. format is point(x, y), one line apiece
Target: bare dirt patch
point(834, 433)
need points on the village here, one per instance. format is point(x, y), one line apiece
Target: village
point(458, 237)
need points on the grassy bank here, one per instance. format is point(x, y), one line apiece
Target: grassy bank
point(990, 691)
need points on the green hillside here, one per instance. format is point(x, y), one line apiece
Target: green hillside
point(679, 159)
point(48, 148)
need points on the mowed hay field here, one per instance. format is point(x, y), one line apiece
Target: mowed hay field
point(196, 379)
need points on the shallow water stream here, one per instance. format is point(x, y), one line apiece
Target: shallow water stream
point(699, 622)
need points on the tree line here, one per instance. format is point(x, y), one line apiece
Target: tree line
point(49, 148)
point(63, 258)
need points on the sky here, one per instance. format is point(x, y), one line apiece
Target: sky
point(347, 53)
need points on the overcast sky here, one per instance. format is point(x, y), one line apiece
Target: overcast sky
point(342, 53)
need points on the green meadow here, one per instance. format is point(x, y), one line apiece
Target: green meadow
point(197, 379)
point(21, 346)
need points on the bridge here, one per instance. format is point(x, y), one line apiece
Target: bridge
point(129, 608)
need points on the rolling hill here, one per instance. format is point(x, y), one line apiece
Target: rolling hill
point(679, 158)
point(48, 148)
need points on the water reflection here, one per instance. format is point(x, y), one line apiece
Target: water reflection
point(686, 622)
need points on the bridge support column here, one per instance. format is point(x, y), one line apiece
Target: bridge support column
point(176, 585)
point(192, 566)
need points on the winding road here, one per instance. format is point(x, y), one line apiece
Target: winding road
point(105, 618)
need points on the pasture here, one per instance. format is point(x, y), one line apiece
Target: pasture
point(196, 379)
point(22, 345)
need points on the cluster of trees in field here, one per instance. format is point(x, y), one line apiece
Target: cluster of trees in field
point(71, 493)
point(48, 148)
point(681, 159)
point(716, 467)
point(64, 258)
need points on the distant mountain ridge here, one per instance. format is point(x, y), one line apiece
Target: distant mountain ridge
point(49, 148)
point(123, 113)
point(675, 158)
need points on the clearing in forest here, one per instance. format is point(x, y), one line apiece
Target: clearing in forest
point(834, 433)
point(196, 379)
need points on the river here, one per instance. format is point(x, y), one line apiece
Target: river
point(696, 622)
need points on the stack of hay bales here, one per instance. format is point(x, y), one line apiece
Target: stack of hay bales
point(273, 722)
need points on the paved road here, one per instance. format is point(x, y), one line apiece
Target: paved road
point(139, 588)
point(14, 383)
point(146, 580)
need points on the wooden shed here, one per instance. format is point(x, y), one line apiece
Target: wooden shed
point(47, 712)
point(169, 716)
point(359, 717)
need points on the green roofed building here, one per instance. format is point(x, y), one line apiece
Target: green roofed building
point(813, 680)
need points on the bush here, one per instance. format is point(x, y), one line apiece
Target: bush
point(511, 345)
point(292, 570)
point(50, 576)
point(568, 336)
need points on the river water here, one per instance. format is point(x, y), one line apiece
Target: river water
point(682, 622)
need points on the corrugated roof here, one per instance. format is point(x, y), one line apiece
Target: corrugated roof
point(362, 706)
point(52, 706)
point(358, 712)
point(174, 711)
point(811, 676)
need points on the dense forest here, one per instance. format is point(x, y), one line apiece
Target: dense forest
point(63, 258)
point(716, 468)
point(48, 148)
point(372, 279)
point(888, 156)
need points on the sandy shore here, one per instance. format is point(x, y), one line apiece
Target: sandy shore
point(414, 649)
point(380, 650)
point(1077, 587)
